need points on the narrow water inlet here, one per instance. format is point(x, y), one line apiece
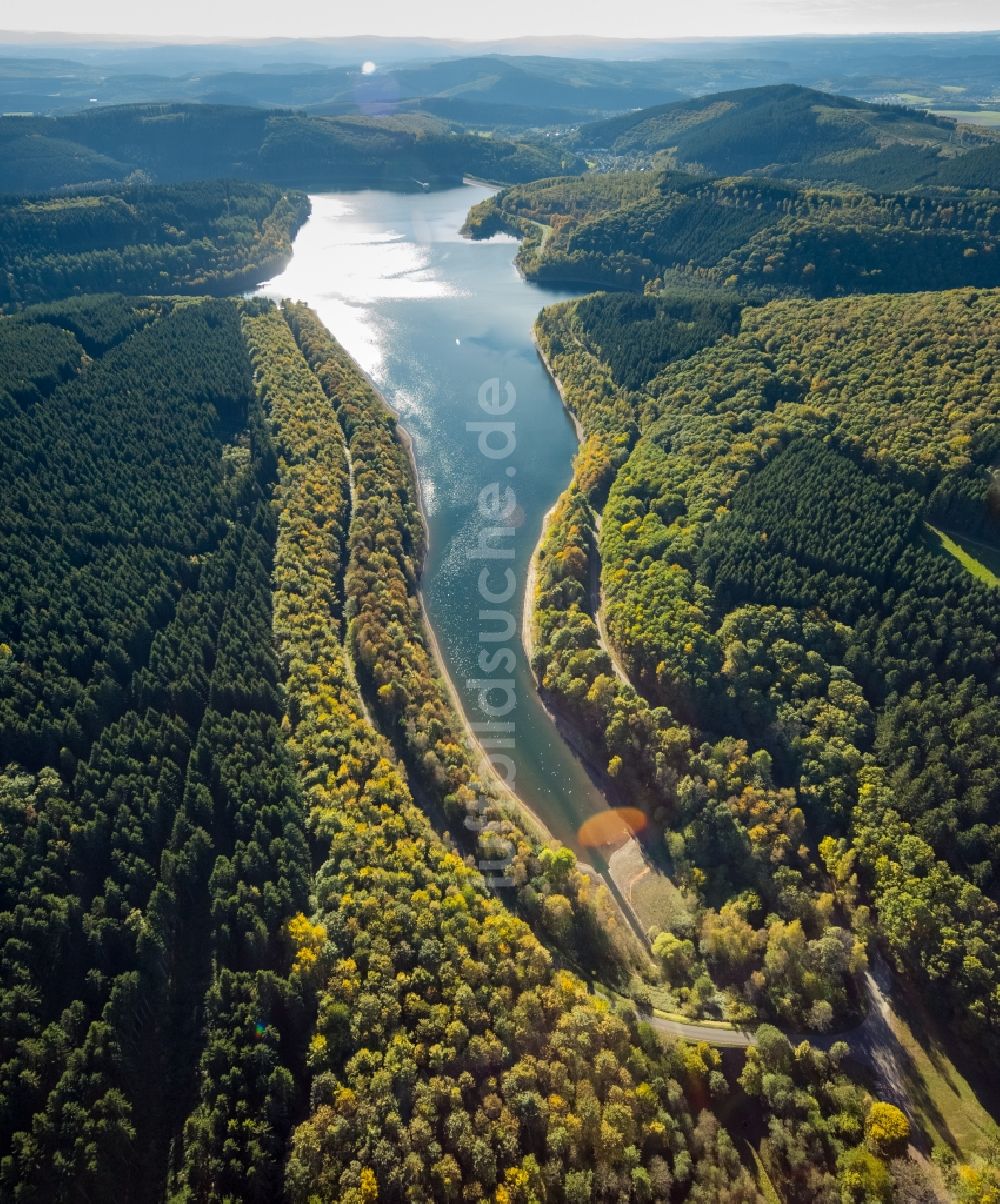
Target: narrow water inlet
point(443, 326)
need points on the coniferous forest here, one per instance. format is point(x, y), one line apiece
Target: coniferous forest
point(215, 877)
point(249, 949)
point(214, 237)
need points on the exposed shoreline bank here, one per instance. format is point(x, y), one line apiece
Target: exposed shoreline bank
point(509, 798)
point(622, 860)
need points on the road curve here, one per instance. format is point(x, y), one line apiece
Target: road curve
point(690, 1030)
point(871, 1040)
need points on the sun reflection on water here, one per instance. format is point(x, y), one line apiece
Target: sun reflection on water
point(370, 265)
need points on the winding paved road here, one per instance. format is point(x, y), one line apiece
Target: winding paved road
point(872, 1041)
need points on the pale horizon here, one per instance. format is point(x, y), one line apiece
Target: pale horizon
point(240, 21)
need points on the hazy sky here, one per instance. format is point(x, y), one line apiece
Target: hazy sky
point(509, 18)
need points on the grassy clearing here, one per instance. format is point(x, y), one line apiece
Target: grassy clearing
point(545, 231)
point(947, 1107)
point(655, 899)
point(979, 559)
point(658, 901)
point(987, 117)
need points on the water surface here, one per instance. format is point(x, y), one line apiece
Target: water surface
point(433, 317)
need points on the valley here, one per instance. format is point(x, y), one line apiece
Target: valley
point(499, 681)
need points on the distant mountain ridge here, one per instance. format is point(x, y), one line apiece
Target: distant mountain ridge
point(549, 90)
point(790, 131)
point(554, 76)
point(170, 143)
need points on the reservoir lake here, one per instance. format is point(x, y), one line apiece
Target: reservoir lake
point(441, 324)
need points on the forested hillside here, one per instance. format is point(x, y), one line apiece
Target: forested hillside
point(238, 961)
point(273, 928)
point(771, 520)
point(189, 238)
point(664, 230)
point(174, 142)
point(797, 133)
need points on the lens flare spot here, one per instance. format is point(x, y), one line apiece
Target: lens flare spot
point(611, 827)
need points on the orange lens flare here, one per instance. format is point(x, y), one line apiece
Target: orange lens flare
point(611, 827)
